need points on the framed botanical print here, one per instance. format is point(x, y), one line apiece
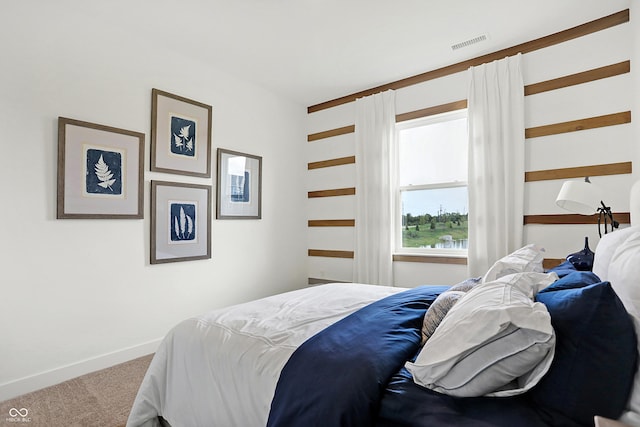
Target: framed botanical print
point(180, 135)
point(180, 222)
point(100, 171)
point(239, 187)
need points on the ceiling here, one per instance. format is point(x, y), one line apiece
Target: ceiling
point(316, 50)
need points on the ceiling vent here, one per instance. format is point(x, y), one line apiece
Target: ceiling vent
point(469, 42)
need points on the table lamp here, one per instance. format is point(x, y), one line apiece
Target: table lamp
point(585, 198)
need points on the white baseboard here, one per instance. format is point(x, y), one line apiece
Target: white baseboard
point(21, 386)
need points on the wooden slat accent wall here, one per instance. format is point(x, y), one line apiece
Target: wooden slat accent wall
point(332, 223)
point(431, 111)
point(579, 78)
point(531, 46)
point(579, 172)
point(577, 125)
point(552, 262)
point(532, 89)
point(332, 193)
point(330, 253)
point(333, 162)
point(621, 217)
point(534, 132)
point(333, 132)
point(531, 176)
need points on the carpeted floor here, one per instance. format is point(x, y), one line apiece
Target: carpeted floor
point(100, 399)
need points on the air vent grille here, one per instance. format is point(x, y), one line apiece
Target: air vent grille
point(469, 42)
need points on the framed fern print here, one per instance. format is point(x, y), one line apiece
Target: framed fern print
point(180, 222)
point(100, 171)
point(180, 135)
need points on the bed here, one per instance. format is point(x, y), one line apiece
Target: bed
point(563, 350)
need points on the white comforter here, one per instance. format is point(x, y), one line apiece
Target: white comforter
point(221, 368)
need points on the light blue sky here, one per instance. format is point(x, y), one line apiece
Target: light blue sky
point(420, 202)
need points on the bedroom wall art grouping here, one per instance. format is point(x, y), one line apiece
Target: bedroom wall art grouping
point(101, 176)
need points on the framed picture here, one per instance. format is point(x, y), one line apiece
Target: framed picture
point(100, 171)
point(180, 222)
point(239, 189)
point(180, 135)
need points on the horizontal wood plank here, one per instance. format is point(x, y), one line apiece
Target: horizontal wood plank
point(548, 263)
point(530, 46)
point(332, 223)
point(432, 259)
point(579, 172)
point(316, 281)
point(330, 253)
point(329, 133)
point(332, 162)
point(578, 125)
point(621, 217)
point(432, 111)
point(579, 78)
point(331, 193)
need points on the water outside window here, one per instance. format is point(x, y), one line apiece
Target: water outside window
point(442, 223)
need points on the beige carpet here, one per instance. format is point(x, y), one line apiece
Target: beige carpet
point(101, 399)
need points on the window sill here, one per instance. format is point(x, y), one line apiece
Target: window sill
point(432, 259)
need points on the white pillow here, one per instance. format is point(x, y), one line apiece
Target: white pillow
point(496, 341)
point(606, 247)
point(528, 258)
point(624, 273)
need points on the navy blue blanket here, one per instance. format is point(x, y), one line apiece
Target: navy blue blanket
point(406, 404)
point(337, 377)
point(352, 374)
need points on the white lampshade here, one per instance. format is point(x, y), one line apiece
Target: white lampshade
point(581, 197)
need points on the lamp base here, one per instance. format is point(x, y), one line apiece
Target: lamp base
point(582, 260)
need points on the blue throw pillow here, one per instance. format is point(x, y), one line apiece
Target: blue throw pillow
point(572, 280)
point(595, 360)
point(563, 269)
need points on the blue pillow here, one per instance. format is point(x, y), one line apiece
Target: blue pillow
point(595, 361)
point(563, 269)
point(572, 280)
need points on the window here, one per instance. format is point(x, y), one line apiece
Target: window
point(431, 197)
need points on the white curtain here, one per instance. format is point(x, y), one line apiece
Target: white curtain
point(375, 131)
point(496, 162)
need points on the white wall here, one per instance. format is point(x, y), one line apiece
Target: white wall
point(635, 59)
point(589, 147)
point(79, 295)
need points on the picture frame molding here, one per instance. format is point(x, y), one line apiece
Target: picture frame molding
point(63, 195)
point(221, 208)
point(154, 223)
point(159, 158)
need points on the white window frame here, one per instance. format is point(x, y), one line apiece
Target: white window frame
point(397, 199)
